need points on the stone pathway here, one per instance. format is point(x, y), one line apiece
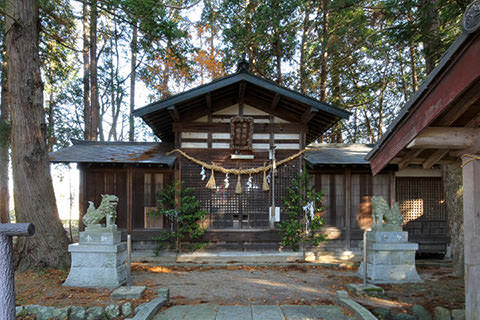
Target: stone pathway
point(253, 312)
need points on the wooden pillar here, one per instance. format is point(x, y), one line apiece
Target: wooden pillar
point(7, 272)
point(7, 287)
point(393, 191)
point(129, 200)
point(348, 207)
point(82, 194)
point(471, 218)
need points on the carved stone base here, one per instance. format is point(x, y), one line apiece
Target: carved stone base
point(98, 260)
point(390, 258)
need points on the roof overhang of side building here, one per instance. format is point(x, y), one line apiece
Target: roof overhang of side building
point(447, 105)
point(100, 152)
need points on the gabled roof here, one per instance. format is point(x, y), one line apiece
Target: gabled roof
point(411, 103)
point(449, 97)
point(338, 154)
point(223, 92)
point(114, 152)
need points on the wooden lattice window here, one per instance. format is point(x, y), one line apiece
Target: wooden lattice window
point(241, 133)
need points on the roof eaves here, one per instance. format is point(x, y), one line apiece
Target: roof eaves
point(297, 96)
point(133, 143)
point(197, 91)
point(449, 54)
point(236, 77)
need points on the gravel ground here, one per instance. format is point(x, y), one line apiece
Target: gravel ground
point(296, 284)
point(247, 285)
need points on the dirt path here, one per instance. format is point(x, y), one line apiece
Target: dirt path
point(295, 284)
point(247, 285)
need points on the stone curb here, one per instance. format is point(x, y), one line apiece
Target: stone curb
point(247, 264)
point(360, 311)
point(148, 310)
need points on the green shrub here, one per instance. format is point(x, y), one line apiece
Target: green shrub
point(180, 207)
point(294, 230)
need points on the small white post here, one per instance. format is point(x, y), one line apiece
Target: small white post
point(365, 258)
point(272, 212)
point(129, 259)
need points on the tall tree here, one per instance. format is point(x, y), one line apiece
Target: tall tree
point(56, 40)
point(453, 188)
point(33, 190)
point(263, 30)
point(208, 57)
point(4, 148)
point(306, 27)
point(430, 33)
point(133, 78)
point(86, 71)
point(94, 115)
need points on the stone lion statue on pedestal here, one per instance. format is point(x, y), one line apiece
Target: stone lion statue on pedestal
point(384, 217)
point(106, 210)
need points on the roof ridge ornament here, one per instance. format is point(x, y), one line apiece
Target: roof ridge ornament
point(243, 65)
point(471, 18)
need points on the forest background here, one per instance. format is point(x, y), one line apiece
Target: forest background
point(99, 60)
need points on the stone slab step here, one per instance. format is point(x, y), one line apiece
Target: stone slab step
point(253, 312)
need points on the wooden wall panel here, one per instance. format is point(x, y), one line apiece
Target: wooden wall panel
point(100, 181)
point(107, 181)
point(362, 187)
point(138, 198)
point(121, 192)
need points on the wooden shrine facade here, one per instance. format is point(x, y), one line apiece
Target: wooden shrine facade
point(234, 123)
point(344, 177)
point(213, 139)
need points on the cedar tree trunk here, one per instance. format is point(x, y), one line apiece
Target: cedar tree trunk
point(453, 186)
point(133, 75)
point(32, 184)
point(86, 73)
point(94, 108)
point(4, 145)
point(430, 28)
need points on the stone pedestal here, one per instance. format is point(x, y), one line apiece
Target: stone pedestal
point(98, 260)
point(390, 258)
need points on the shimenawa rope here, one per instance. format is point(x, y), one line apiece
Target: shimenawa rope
point(467, 158)
point(239, 171)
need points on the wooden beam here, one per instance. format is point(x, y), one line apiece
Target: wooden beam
point(225, 127)
point(463, 104)
point(434, 158)
point(409, 157)
point(348, 207)
point(130, 200)
point(393, 191)
point(82, 197)
point(445, 138)
point(308, 115)
point(241, 90)
point(173, 111)
point(275, 101)
point(208, 98)
point(474, 122)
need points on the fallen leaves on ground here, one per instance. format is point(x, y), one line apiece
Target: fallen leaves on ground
point(45, 288)
point(439, 288)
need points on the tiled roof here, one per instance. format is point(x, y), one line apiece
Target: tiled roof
point(338, 153)
point(114, 152)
